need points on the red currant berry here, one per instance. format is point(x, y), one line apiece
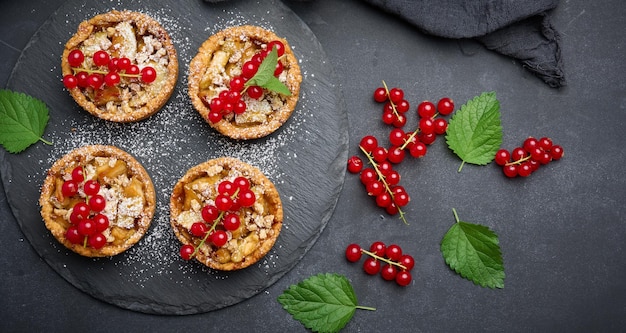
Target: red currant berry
point(73, 235)
point(546, 158)
point(86, 227)
point(111, 79)
point(355, 164)
point(502, 157)
point(380, 95)
point(113, 64)
point(397, 137)
point(393, 252)
point(69, 188)
point(78, 174)
point(101, 221)
point(427, 138)
point(100, 58)
point(445, 106)
point(392, 209)
point(216, 104)
point(242, 183)
point(401, 199)
point(383, 200)
point(427, 126)
point(198, 229)
point(82, 79)
point(524, 169)
point(407, 261)
point(426, 109)
point(379, 154)
point(403, 278)
point(187, 251)
point(371, 266)
point(148, 74)
point(396, 95)
point(518, 153)
point(353, 253)
point(95, 80)
point(280, 47)
point(441, 125)
point(279, 69)
point(223, 202)
point(91, 187)
point(388, 272)
point(124, 63)
point(255, 92)
point(378, 248)
point(368, 175)
point(214, 117)
point(556, 152)
point(219, 238)
point(81, 210)
point(247, 198)
point(400, 121)
point(248, 69)
point(97, 241)
point(70, 81)
point(389, 118)
point(237, 83)
point(403, 106)
point(368, 143)
point(374, 188)
point(536, 154)
point(545, 143)
point(209, 213)
point(97, 203)
point(510, 170)
point(530, 143)
point(385, 167)
point(231, 222)
point(419, 149)
point(132, 70)
point(75, 58)
point(395, 155)
point(226, 187)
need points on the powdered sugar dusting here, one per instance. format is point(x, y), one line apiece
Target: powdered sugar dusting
point(172, 141)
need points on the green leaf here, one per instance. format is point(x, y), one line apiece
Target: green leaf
point(265, 78)
point(472, 251)
point(23, 120)
point(474, 133)
point(322, 303)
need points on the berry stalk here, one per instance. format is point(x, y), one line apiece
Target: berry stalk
point(383, 259)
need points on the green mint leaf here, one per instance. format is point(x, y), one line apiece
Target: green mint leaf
point(472, 251)
point(265, 78)
point(474, 132)
point(322, 303)
point(23, 120)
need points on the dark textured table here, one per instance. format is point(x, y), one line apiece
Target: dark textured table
point(561, 230)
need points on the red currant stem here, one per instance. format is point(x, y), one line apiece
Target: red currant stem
point(96, 71)
point(382, 178)
point(523, 159)
point(393, 105)
point(85, 241)
point(407, 141)
point(390, 262)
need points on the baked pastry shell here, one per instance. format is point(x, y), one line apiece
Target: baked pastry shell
point(256, 177)
point(78, 157)
point(202, 59)
point(143, 22)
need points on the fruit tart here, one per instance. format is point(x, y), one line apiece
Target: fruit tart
point(120, 66)
point(226, 213)
point(97, 200)
point(245, 82)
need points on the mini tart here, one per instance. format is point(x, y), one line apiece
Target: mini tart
point(219, 59)
point(260, 223)
point(124, 183)
point(137, 37)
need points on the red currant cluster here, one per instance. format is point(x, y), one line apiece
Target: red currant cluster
point(87, 221)
point(229, 101)
point(109, 72)
point(524, 160)
point(397, 266)
point(221, 216)
point(381, 179)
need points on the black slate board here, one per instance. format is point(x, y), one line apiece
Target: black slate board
point(305, 159)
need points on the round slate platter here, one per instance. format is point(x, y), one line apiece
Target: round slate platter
point(305, 158)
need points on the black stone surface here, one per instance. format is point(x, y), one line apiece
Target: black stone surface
point(561, 230)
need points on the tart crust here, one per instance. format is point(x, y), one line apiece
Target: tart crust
point(260, 224)
point(55, 212)
point(111, 31)
point(211, 81)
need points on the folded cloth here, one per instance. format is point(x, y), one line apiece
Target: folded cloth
point(520, 29)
